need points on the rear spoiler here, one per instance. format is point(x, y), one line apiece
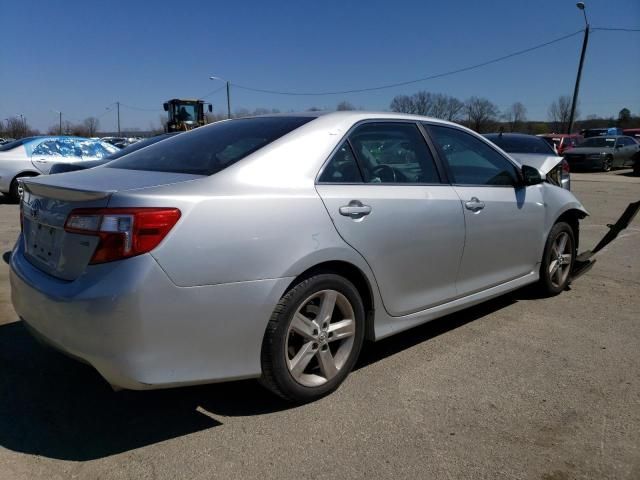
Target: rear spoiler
point(63, 193)
point(585, 260)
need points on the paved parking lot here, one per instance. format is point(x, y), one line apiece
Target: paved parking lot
point(519, 387)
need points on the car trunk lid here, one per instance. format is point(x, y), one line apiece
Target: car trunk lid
point(48, 201)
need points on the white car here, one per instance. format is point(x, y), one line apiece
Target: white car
point(32, 156)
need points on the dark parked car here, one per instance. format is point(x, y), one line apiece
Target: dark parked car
point(70, 167)
point(604, 153)
point(530, 149)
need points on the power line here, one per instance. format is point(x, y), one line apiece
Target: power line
point(615, 29)
point(213, 92)
point(141, 109)
point(409, 82)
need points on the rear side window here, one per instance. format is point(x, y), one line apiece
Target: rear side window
point(342, 168)
point(471, 161)
point(210, 149)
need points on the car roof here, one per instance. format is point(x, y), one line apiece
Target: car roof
point(509, 135)
point(353, 116)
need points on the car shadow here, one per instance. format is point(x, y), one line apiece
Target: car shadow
point(5, 200)
point(56, 407)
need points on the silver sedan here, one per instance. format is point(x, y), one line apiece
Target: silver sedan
point(272, 247)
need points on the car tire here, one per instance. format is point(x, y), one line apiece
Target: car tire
point(607, 164)
point(557, 260)
point(14, 189)
point(313, 338)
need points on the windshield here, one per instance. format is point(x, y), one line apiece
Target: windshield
point(599, 142)
point(209, 149)
point(521, 144)
point(185, 112)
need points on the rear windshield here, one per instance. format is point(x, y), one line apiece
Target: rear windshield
point(16, 143)
point(209, 149)
point(521, 144)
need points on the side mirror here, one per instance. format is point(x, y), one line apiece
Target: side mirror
point(619, 146)
point(530, 175)
point(210, 108)
point(165, 106)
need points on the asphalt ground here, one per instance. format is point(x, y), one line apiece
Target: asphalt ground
point(519, 387)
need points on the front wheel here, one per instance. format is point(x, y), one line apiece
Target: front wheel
point(607, 164)
point(557, 261)
point(313, 338)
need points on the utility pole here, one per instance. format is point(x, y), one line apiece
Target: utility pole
point(118, 105)
point(228, 100)
point(228, 83)
point(60, 114)
point(576, 89)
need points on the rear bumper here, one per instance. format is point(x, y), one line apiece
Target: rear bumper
point(139, 330)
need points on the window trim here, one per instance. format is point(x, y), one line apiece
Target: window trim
point(442, 173)
point(519, 181)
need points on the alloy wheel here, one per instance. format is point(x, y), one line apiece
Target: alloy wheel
point(320, 338)
point(561, 259)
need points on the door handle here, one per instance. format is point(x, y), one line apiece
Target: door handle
point(355, 209)
point(474, 204)
point(42, 160)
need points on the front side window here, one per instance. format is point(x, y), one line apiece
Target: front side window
point(342, 168)
point(208, 150)
point(471, 161)
point(393, 153)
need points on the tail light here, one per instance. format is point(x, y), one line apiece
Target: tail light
point(123, 232)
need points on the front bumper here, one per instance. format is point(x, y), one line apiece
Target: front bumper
point(141, 331)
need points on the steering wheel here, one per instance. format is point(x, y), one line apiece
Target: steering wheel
point(385, 173)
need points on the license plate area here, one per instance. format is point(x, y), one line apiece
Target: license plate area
point(43, 243)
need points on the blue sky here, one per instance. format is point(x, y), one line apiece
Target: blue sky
point(80, 57)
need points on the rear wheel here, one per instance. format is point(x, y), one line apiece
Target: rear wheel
point(15, 189)
point(558, 258)
point(313, 338)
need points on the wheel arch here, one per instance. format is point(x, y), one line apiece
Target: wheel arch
point(572, 217)
point(356, 276)
point(25, 173)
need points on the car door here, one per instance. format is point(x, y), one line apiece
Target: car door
point(504, 221)
point(625, 150)
point(384, 193)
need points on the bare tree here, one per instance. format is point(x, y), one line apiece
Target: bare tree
point(447, 107)
point(481, 113)
point(91, 125)
point(17, 127)
point(402, 104)
point(430, 104)
point(344, 106)
point(515, 116)
point(559, 113)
